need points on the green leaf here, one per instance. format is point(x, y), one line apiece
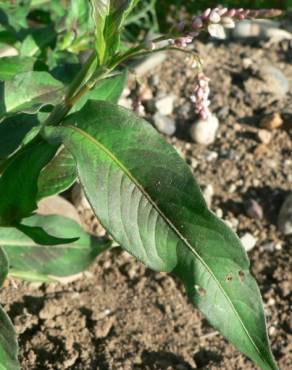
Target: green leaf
point(13, 131)
point(29, 91)
point(18, 184)
point(109, 17)
point(11, 66)
point(40, 236)
point(8, 343)
point(145, 195)
point(58, 260)
point(58, 175)
point(31, 276)
point(109, 89)
point(3, 267)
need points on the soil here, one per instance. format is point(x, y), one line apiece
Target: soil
point(120, 315)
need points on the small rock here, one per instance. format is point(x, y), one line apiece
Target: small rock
point(204, 131)
point(253, 209)
point(194, 163)
point(164, 124)
point(272, 121)
point(285, 217)
point(248, 241)
point(211, 156)
point(264, 136)
point(165, 104)
point(219, 212)
point(275, 81)
point(208, 194)
point(57, 205)
point(269, 247)
point(261, 150)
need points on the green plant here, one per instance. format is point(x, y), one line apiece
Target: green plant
point(55, 128)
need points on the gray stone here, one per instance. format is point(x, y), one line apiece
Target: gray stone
point(164, 105)
point(204, 131)
point(164, 124)
point(285, 217)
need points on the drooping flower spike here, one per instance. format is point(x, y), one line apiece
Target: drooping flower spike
point(214, 21)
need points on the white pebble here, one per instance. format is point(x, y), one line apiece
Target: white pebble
point(248, 241)
point(204, 131)
point(165, 105)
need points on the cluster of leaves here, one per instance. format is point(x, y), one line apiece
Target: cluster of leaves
point(55, 128)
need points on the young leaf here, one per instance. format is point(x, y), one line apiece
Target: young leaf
point(58, 175)
point(13, 130)
point(29, 91)
point(109, 17)
point(146, 197)
point(58, 260)
point(18, 184)
point(11, 66)
point(8, 342)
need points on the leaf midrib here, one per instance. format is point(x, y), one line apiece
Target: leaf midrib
point(171, 225)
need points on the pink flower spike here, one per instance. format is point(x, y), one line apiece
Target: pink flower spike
point(231, 13)
point(206, 14)
point(197, 23)
point(214, 17)
point(222, 11)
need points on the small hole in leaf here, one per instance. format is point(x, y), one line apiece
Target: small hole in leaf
point(229, 277)
point(201, 291)
point(241, 275)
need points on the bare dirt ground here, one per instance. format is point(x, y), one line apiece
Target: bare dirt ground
point(123, 316)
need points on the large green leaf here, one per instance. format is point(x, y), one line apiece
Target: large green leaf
point(109, 17)
point(29, 91)
point(147, 198)
point(58, 175)
point(18, 184)
point(13, 130)
point(11, 66)
point(8, 342)
point(25, 255)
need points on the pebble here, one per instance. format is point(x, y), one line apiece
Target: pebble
point(211, 156)
point(248, 241)
point(275, 80)
point(269, 247)
point(164, 124)
point(253, 209)
point(265, 136)
point(208, 194)
point(165, 105)
point(204, 131)
point(271, 121)
point(219, 212)
point(285, 217)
